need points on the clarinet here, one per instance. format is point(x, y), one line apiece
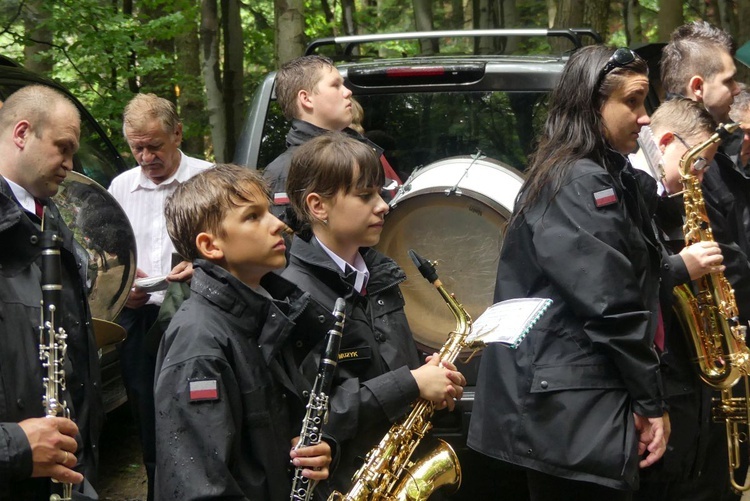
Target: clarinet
point(52, 339)
point(317, 407)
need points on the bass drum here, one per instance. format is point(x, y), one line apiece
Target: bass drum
point(107, 243)
point(452, 212)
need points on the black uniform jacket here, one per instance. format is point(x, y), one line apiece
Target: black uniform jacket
point(21, 387)
point(562, 403)
point(373, 386)
point(277, 171)
point(227, 408)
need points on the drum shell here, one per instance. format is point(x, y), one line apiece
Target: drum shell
point(453, 212)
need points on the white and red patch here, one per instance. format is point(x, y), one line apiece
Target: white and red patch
point(604, 198)
point(204, 389)
point(280, 198)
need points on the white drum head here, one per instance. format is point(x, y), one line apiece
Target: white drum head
point(452, 212)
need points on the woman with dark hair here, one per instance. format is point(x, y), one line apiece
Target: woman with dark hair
point(578, 404)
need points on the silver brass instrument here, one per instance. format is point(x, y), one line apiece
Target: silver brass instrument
point(710, 316)
point(52, 339)
point(317, 406)
point(389, 472)
point(106, 238)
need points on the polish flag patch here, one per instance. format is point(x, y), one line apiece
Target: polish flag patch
point(605, 197)
point(280, 198)
point(204, 389)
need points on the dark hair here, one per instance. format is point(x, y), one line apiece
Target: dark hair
point(302, 73)
point(327, 165)
point(201, 203)
point(574, 128)
point(692, 50)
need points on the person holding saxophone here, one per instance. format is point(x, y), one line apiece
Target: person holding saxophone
point(39, 134)
point(578, 405)
point(679, 125)
point(334, 187)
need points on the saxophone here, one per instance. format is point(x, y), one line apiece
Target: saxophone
point(710, 317)
point(388, 472)
point(317, 406)
point(52, 340)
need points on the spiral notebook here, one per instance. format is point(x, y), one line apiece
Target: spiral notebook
point(508, 321)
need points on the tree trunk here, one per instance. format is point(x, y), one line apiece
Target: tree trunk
point(209, 40)
point(290, 30)
point(483, 21)
point(233, 73)
point(423, 22)
point(596, 15)
point(347, 17)
point(510, 19)
point(158, 81)
point(726, 20)
point(127, 8)
point(36, 53)
point(569, 14)
point(669, 19)
point(457, 15)
point(190, 84)
point(632, 17)
point(551, 12)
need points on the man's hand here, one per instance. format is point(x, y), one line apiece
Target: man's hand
point(53, 447)
point(181, 273)
point(137, 297)
point(653, 436)
point(313, 459)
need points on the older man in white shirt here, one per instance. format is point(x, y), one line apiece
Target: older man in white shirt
point(154, 133)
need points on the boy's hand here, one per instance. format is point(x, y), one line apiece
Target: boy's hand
point(313, 459)
point(439, 382)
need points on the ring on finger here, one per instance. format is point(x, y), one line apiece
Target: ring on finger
point(65, 460)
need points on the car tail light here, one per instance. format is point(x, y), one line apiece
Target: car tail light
point(416, 75)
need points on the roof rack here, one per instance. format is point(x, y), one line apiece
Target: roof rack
point(349, 42)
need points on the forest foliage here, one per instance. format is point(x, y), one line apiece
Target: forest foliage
point(208, 55)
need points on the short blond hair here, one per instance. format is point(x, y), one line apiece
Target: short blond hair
point(201, 203)
point(144, 108)
point(34, 103)
point(684, 117)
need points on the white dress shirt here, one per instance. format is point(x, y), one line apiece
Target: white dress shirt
point(24, 198)
point(360, 268)
point(143, 202)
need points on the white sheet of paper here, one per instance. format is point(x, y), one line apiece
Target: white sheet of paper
point(152, 284)
point(508, 321)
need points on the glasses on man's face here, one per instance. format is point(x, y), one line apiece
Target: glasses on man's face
point(701, 163)
point(621, 58)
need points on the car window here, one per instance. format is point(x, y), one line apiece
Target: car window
point(416, 129)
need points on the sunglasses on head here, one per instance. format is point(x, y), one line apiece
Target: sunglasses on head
point(621, 58)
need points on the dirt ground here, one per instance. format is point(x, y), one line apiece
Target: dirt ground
point(121, 473)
